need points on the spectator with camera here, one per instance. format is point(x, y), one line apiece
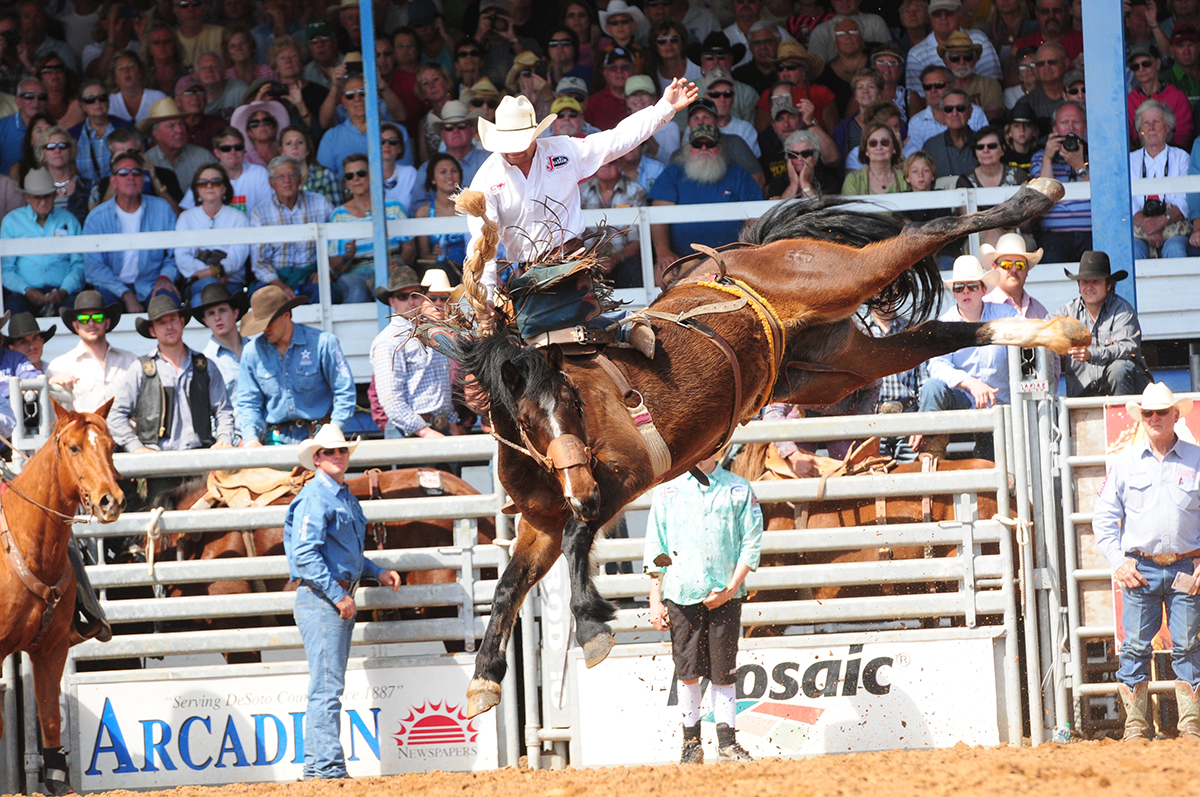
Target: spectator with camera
point(1159, 221)
point(1067, 227)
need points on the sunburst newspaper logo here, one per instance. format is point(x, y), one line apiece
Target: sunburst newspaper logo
point(436, 730)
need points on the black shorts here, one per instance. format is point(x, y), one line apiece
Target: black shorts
point(704, 643)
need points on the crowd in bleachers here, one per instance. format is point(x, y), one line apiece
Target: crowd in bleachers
point(122, 116)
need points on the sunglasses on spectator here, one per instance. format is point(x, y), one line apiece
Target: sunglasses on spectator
point(53, 68)
point(357, 174)
point(940, 84)
point(479, 102)
point(704, 144)
point(804, 153)
point(568, 114)
point(559, 43)
point(391, 142)
point(189, 3)
point(961, 58)
point(620, 20)
point(450, 128)
point(440, 299)
point(725, 95)
point(349, 95)
point(128, 172)
point(1012, 265)
point(253, 123)
point(1141, 65)
point(879, 142)
point(715, 56)
point(53, 145)
point(969, 287)
point(657, 3)
point(94, 100)
point(330, 451)
point(1077, 90)
point(84, 318)
point(34, 95)
point(667, 40)
point(231, 148)
point(790, 66)
point(1055, 62)
point(987, 145)
point(404, 297)
point(887, 62)
point(319, 39)
point(1159, 413)
point(847, 33)
point(479, 53)
point(209, 182)
point(955, 108)
point(195, 90)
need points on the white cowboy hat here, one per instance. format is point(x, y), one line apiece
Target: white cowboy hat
point(515, 128)
point(328, 436)
point(1009, 244)
point(641, 25)
point(436, 281)
point(967, 268)
point(1157, 396)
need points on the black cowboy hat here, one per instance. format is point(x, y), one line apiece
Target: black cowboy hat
point(1095, 266)
point(23, 324)
point(216, 293)
point(715, 42)
point(90, 301)
point(401, 278)
point(161, 305)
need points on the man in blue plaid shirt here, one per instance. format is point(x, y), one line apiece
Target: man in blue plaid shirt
point(291, 266)
point(898, 392)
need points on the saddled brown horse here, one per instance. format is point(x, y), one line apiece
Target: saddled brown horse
point(778, 330)
point(403, 483)
point(37, 583)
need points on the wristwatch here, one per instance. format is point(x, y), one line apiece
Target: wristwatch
point(1083, 172)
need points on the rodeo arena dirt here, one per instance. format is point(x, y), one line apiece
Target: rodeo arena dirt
point(931, 628)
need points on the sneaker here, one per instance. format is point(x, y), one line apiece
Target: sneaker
point(693, 752)
point(732, 752)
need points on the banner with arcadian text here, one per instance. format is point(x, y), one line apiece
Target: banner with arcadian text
point(210, 730)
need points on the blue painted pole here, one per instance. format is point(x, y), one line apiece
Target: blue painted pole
point(374, 153)
point(1108, 139)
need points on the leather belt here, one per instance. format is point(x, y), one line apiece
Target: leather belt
point(1163, 559)
point(349, 586)
point(438, 421)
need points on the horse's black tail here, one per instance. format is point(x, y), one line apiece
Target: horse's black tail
point(917, 293)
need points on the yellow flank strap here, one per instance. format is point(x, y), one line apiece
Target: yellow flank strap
point(760, 307)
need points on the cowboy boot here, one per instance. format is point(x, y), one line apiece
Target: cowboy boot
point(87, 607)
point(727, 747)
point(1189, 710)
point(1136, 702)
point(693, 750)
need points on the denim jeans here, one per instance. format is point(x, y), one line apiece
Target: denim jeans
point(936, 395)
point(352, 288)
point(1141, 615)
point(327, 646)
point(1175, 246)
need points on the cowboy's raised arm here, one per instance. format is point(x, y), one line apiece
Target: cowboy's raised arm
point(681, 93)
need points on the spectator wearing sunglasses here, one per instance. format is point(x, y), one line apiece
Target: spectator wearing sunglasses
point(399, 179)
point(31, 101)
point(562, 49)
point(719, 90)
point(38, 284)
point(351, 263)
point(951, 151)
point(93, 132)
point(131, 276)
point(1145, 63)
point(191, 98)
point(171, 150)
point(1053, 27)
point(56, 152)
point(606, 107)
point(157, 181)
point(758, 71)
point(1011, 258)
point(971, 378)
point(350, 136)
point(991, 170)
point(880, 151)
point(214, 210)
point(931, 120)
point(822, 40)
point(457, 129)
point(1184, 73)
point(801, 153)
point(1050, 62)
point(946, 18)
point(960, 55)
point(91, 371)
point(1112, 364)
point(248, 181)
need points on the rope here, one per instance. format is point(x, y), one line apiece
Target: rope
point(153, 534)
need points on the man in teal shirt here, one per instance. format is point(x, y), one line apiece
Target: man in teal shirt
point(701, 543)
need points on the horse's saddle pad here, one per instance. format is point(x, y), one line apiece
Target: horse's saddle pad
point(251, 486)
point(550, 297)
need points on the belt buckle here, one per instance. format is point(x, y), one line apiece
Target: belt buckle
point(891, 407)
point(1165, 559)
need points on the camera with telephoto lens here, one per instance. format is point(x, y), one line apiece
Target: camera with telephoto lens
point(1153, 206)
point(1070, 142)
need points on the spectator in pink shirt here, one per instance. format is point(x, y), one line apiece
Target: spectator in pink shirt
point(1145, 62)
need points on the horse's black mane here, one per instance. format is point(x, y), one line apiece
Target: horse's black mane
point(484, 356)
point(917, 293)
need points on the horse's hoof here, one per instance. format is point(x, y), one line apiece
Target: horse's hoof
point(1047, 186)
point(596, 649)
point(1075, 330)
point(481, 696)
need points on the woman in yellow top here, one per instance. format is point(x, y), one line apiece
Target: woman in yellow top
point(880, 150)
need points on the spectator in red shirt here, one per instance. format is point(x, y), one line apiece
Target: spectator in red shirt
point(796, 65)
point(606, 107)
point(1145, 62)
point(1052, 27)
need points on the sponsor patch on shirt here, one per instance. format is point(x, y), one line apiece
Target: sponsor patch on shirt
point(740, 492)
point(670, 490)
point(556, 162)
point(305, 357)
point(496, 187)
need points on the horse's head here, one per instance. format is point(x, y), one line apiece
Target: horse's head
point(84, 449)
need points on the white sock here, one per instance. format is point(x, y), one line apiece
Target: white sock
point(689, 703)
point(724, 700)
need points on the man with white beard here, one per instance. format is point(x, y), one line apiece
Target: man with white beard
point(703, 176)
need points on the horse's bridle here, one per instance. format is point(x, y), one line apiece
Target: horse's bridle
point(564, 452)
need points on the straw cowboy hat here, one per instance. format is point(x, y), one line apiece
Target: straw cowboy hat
point(1011, 244)
point(1095, 266)
point(268, 303)
point(515, 128)
point(24, 324)
point(160, 111)
point(794, 51)
point(328, 436)
point(1157, 396)
point(523, 61)
point(967, 268)
point(161, 305)
point(88, 302)
point(436, 281)
point(38, 182)
point(400, 279)
point(959, 40)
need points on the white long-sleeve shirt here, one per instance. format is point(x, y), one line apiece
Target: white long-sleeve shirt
point(541, 211)
point(226, 219)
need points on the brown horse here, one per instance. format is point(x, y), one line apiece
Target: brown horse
point(37, 584)
point(783, 333)
point(404, 483)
